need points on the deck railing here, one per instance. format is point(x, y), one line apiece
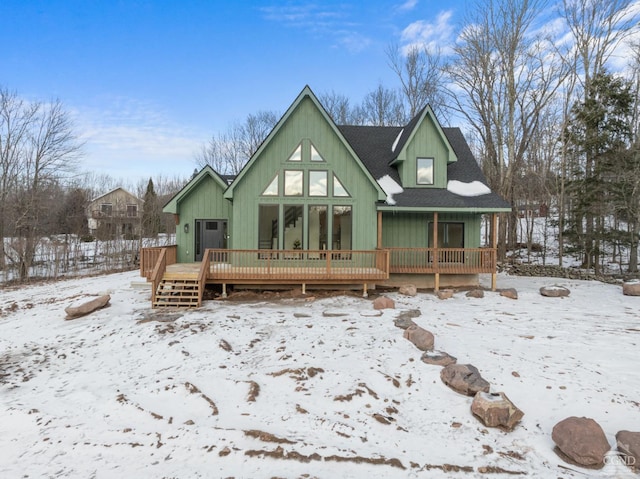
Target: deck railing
point(157, 273)
point(294, 266)
point(442, 260)
point(149, 257)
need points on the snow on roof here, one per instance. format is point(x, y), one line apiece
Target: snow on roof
point(475, 188)
point(395, 142)
point(390, 188)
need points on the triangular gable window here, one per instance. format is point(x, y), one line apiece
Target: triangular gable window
point(315, 156)
point(272, 188)
point(297, 154)
point(338, 189)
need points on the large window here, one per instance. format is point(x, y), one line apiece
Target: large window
point(341, 237)
point(293, 182)
point(268, 227)
point(318, 227)
point(424, 173)
point(450, 235)
point(293, 227)
point(317, 183)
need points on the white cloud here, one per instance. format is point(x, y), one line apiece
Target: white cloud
point(408, 5)
point(430, 35)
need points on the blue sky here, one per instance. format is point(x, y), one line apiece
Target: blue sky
point(148, 82)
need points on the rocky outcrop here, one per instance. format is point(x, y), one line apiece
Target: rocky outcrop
point(438, 358)
point(420, 337)
point(555, 291)
point(496, 410)
point(383, 302)
point(581, 441)
point(629, 446)
point(88, 307)
point(464, 379)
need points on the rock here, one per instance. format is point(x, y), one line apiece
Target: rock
point(445, 293)
point(420, 337)
point(496, 410)
point(464, 379)
point(510, 293)
point(404, 319)
point(88, 307)
point(554, 291)
point(333, 314)
point(438, 358)
point(581, 441)
point(408, 290)
point(629, 446)
point(475, 293)
point(382, 302)
point(631, 288)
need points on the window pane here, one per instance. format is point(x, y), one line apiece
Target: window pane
point(450, 235)
point(341, 238)
point(268, 227)
point(293, 227)
point(297, 154)
point(317, 183)
point(317, 227)
point(293, 183)
point(315, 156)
point(132, 211)
point(425, 171)
point(338, 189)
point(272, 188)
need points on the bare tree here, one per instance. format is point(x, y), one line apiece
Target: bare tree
point(504, 77)
point(383, 107)
point(421, 74)
point(339, 108)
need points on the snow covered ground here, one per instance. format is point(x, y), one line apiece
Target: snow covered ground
point(306, 387)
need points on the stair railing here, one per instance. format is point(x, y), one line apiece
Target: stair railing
point(157, 274)
point(205, 265)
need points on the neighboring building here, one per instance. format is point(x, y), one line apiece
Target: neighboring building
point(116, 214)
point(412, 198)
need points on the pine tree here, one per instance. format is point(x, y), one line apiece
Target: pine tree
point(151, 220)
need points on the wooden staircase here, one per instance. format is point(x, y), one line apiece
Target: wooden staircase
point(178, 291)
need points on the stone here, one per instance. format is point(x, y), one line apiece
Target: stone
point(88, 307)
point(383, 302)
point(420, 337)
point(445, 293)
point(438, 358)
point(555, 291)
point(628, 443)
point(580, 441)
point(496, 410)
point(404, 319)
point(464, 379)
point(631, 288)
point(408, 290)
point(510, 293)
point(475, 293)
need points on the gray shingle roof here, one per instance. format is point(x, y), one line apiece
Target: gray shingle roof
point(373, 145)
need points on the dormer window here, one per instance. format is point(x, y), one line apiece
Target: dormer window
point(424, 171)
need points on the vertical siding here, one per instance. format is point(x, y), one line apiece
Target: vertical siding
point(305, 124)
point(409, 230)
point(426, 143)
point(204, 202)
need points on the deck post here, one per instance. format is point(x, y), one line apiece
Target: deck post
point(365, 294)
point(304, 288)
point(435, 250)
point(224, 290)
point(379, 241)
point(494, 246)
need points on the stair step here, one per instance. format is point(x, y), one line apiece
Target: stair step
point(177, 293)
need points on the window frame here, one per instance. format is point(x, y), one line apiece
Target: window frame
point(420, 159)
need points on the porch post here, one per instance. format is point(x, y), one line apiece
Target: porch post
point(379, 242)
point(435, 251)
point(494, 246)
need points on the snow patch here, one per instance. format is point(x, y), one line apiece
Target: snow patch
point(395, 142)
point(475, 188)
point(390, 188)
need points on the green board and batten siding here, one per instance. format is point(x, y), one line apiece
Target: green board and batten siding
point(410, 230)
point(305, 123)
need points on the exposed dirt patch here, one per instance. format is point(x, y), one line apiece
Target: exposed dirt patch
point(267, 437)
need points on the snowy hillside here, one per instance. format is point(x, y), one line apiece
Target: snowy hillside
point(306, 387)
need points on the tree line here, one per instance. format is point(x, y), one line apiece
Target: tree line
point(551, 125)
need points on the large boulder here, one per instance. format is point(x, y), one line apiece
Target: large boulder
point(383, 302)
point(420, 337)
point(631, 288)
point(88, 307)
point(475, 293)
point(581, 441)
point(445, 293)
point(464, 379)
point(405, 318)
point(496, 410)
point(555, 291)
point(629, 446)
point(408, 290)
point(438, 358)
point(510, 293)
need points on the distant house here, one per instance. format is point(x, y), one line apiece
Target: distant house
point(115, 214)
point(321, 203)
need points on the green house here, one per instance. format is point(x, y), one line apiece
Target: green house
point(321, 203)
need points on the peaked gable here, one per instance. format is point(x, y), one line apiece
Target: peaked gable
point(305, 94)
point(115, 192)
point(206, 172)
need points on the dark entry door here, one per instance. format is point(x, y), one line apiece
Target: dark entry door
point(210, 234)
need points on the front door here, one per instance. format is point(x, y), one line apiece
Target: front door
point(210, 234)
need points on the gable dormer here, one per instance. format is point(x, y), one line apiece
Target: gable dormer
point(424, 153)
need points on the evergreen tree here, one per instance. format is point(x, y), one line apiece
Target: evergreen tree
point(151, 220)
